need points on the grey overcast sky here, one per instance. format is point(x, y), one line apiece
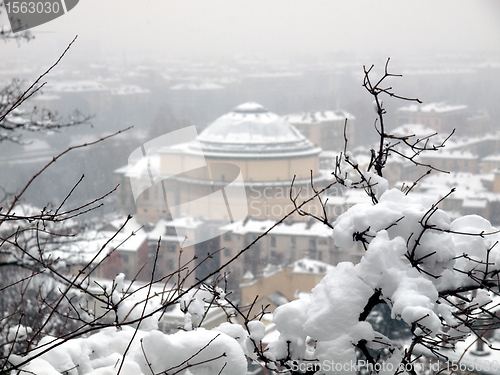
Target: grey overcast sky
point(275, 29)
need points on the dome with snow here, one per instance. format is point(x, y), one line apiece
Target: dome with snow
point(249, 148)
point(250, 128)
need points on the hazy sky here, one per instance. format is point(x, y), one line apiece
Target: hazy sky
point(150, 29)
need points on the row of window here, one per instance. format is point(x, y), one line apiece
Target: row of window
point(170, 262)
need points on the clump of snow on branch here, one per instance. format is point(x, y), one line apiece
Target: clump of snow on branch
point(202, 351)
point(193, 306)
point(134, 305)
point(391, 229)
point(217, 352)
point(327, 316)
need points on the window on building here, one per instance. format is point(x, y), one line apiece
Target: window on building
point(227, 252)
point(125, 258)
point(171, 231)
point(322, 241)
point(293, 242)
point(227, 237)
point(312, 244)
point(273, 241)
point(171, 247)
point(250, 238)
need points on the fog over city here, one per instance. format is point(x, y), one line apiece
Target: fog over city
point(250, 186)
point(158, 31)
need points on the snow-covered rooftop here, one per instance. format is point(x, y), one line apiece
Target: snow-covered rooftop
point(77, 86)
point(251, 128)
point(306, 265)
point(249, 107)
point(475, 203)
point(129, 90)
point(350, 197)
point(197, 86)
point(467, 185)
point(448, 154)
point(87, 245)
point(438, 107)
point(140, 169)
point(296, 229)
point(250, 123)
point(418, 130)
point(182, 223)
point(492, 158)
point(318, 117)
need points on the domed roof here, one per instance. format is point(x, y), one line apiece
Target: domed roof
point(250, 128)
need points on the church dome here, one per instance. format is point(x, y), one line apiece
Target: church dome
point(251, 129)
